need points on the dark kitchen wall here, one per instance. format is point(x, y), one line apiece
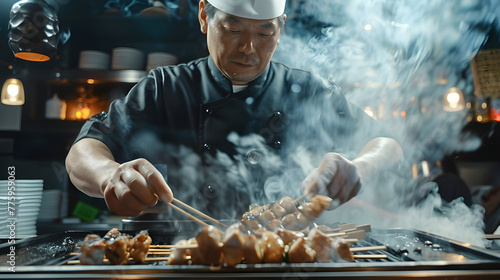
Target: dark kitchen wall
point(105, 24)
point(39, 149)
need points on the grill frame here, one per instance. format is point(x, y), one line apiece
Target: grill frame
point(479, 263)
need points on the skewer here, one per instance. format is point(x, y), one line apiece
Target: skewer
point(357, 234)
point(370, 248)
point(189, 215)
point(155, 259)
point(381, 256)
point(162, 246)
point(336, 234)
point(492, 236)
point(300, 198)
point(199, 213)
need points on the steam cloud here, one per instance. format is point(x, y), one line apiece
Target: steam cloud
point(393, 56)
point(399, 56)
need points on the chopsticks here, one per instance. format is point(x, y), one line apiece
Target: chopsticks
point(194, 210)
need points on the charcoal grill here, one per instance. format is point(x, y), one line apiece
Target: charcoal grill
point(410, 254)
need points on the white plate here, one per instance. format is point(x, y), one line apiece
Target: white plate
point(23, 181)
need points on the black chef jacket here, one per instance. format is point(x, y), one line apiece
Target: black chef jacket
point(193, 106)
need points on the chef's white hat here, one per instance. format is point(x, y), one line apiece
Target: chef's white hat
point(253, 9)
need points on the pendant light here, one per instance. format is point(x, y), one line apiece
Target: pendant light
point(33, 30)
point(12, 92)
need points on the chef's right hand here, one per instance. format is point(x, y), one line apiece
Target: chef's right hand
point(336, 177)
point(135, 186)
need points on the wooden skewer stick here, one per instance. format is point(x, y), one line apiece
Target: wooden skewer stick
point(159, 249)
point(155, 259)
point(370, 248)
point(300, 198)
point(337, 234)
point(351, 240)
point(199, 213)
point(162, 246)
point(492, 236)
point(189, 215)
point(381, 256)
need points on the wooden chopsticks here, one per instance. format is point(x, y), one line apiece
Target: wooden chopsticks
point(194, 210)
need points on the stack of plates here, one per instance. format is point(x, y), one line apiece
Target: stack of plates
point(27, 197)
point(90, 59)
point(157, 59)
point(127, 58)
point(49, 210)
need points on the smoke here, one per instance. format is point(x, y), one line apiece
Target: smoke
point(399, 58)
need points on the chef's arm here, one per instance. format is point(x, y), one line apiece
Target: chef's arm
point(342, 179)
point(90, 164)
point(128, 188)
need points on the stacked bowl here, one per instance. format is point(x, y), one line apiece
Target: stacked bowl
point(25, 197)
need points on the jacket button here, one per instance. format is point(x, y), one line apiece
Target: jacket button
point(206, 146)
point(277, 144)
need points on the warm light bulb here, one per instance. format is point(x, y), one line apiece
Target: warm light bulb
point(454, 100)
point(13, 92)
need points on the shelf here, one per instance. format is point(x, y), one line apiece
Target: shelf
point(82, 76)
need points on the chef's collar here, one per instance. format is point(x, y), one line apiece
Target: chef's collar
point(254, 87)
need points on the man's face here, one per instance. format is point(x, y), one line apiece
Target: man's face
point(241, 48)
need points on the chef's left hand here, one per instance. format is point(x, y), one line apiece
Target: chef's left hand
point(336, 177)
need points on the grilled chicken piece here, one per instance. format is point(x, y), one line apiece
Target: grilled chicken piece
point(303, 220)
point(277, 210)
point(209, 245)
point(273, 225)
point(322, 200)
point(341, 251)
point(288, 204)
point(113, 233)
point(92, 250)
point(256, 210)
point(288, 236)
point(194, 252)
point(179, 256)
point(252, 251)
point(232, 250)
point(265, 217)
point(291, 222)
point(310, 210)
point(301, 252)
point(140, 247)
point(272, 247)
point(249, 222)
point(117, 250)
point(321, 244)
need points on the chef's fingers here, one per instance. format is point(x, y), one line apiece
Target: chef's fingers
point(337, 186)
point(309, 185)
point(118, 206)
point(155, 180)
point(127, 198)
point(139, 186)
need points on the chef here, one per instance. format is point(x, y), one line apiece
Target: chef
point(208, 106)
